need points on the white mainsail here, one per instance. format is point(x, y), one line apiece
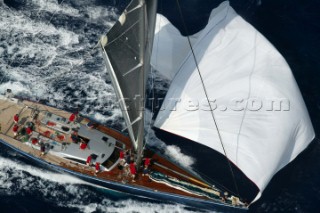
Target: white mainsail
point(127, 50)
point(241, 70)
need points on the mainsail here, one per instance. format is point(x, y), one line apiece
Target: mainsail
point(258, 108)
point(127, 49)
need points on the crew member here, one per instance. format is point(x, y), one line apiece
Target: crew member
point(72, 117)
point(15, 129)
point(127, 158)
point(34, 141)
point(121, 156)
point(42, 149)
point(145, 171)
point(16, 118)
point(89, 160)
point(29, 131)
point(133, 170)
point(147, 162)
point(74, 137)
point(83, 145)
point(97, 168)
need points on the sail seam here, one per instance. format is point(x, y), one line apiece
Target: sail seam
point(131, 70)
point(249, 95)
point(124, 32)
point(135, 8)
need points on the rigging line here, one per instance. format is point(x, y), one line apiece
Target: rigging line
point(216, 184)
point(206, 93)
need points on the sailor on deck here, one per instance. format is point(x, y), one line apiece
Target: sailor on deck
point(73, 117)
point(29, 131)
point(15, 129)
point(34, 141)
point(16, 118)
point(42, 149)
point(127, 158)
point(133, 170)
point(74, 137)
point(97, 168)
point(89, 160)
point(121, 157)
point(83, 145)
point(147, 162)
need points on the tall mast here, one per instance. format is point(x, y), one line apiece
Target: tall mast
point(127, 49)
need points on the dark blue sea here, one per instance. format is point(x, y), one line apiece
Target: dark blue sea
point(47, 54)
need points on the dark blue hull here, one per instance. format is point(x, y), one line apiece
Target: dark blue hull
point(134, 190)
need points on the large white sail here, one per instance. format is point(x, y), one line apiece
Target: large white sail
point(127, 49)
point(170, 48)
point(237, 64)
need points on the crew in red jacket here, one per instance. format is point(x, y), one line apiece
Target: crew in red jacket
point(72, 117)
point(147, 162)
point(15, 129)
point(34, 141)
point(97, 168)
point(133, 170)
point(89, 160)
point(29, 131)
point(16, 118)
point(83, 145)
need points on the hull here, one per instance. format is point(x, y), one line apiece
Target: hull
point(133, 190)
point(56, 149)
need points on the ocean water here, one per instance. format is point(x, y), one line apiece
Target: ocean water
point(47, 53)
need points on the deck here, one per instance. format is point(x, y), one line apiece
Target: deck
point(8, 108)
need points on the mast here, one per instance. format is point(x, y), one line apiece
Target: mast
point(127, 50)
point(149, 27)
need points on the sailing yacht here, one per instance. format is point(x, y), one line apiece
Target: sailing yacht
point(227, 62)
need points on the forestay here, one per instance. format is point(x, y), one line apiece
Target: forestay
point(237, 64)
point(127, 50)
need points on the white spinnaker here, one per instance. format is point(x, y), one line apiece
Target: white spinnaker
point(238, 63)
point(170, 48)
